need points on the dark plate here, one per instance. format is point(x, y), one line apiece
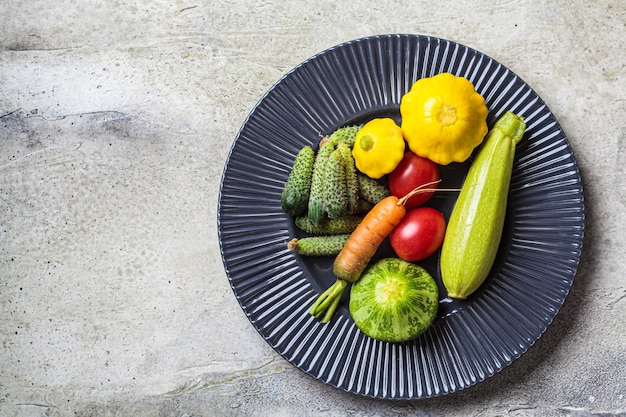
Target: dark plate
point(471, 339)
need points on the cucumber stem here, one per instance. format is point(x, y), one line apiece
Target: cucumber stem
point(327, 302)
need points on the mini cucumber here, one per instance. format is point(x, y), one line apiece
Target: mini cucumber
point(370, 190)
point(335, 194)
point(345, 134)
point(352, 182)
point(318, 245)
point(295, 195)
point(344, 224)
point(362, 206)
point(475, 226)
point(316, 210)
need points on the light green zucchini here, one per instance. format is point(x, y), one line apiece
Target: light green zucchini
point(477, 220)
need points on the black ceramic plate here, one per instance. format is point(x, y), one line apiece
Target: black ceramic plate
point(471, 339)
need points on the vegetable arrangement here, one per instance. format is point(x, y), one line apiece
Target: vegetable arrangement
point(368, 183)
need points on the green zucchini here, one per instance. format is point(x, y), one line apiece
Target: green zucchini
point(475, 226)
point(295, 195)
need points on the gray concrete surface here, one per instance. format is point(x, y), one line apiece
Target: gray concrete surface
point(116, 121)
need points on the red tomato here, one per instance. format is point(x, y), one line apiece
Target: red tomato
point(411, 172)
point(419, 234)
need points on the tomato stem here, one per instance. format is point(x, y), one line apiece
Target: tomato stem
point(424, 189)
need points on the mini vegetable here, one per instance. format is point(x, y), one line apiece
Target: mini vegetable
point(345, 134)
point(335, 192)
point(316, 207)
point(410, 173)
point(367, 237)
point(443, 118)
point(379, 147)
point(370, 190)
point(475, 226)
point(318, 245)
point(419, 234)
point(295, 195)
point(344, 224)
point(352, 182)
point(394, 300)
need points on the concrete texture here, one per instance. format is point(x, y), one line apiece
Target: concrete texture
point(116, 121)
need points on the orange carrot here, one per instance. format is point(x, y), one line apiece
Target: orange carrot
point(367, 237)
point(361, 246)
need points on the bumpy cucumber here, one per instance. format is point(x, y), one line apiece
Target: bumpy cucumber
point(475, 226)
point(370, 190)
point(316, 208)
point(295, 195)
point(346, 134)
point(352, 182)
point(344, 224)
point(318, 245)
point(362, 206)
point(335, 193)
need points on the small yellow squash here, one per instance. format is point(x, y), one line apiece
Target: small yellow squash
point(443, 118)
point(379, 147)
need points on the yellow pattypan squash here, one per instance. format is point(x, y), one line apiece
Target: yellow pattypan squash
point(443, 118)
point(379, 147)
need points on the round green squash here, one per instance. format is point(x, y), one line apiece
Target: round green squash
point(394, 300)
